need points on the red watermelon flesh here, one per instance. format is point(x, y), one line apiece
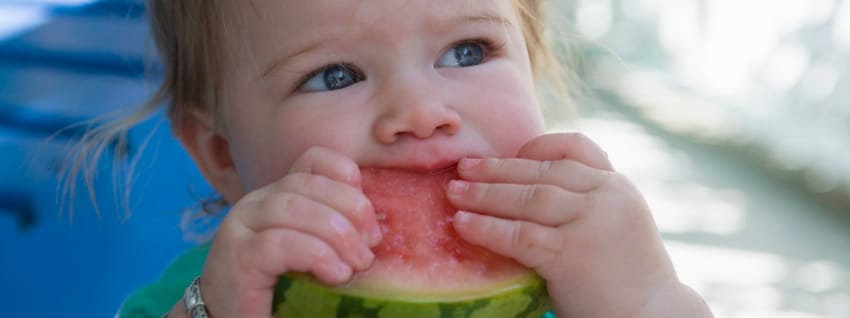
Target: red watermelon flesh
point(421, 255)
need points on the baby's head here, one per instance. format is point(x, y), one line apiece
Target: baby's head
point(415, 84)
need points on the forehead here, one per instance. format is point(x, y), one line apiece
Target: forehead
point(270, 21)
point(365, 12)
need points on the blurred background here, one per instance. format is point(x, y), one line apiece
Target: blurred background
point(733, 118)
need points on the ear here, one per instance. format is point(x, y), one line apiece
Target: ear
point(211, 153)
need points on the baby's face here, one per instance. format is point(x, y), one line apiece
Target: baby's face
point(416, 84)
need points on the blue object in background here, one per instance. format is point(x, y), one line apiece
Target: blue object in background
point(72, 63)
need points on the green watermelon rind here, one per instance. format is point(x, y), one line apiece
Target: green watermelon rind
point(301, 296)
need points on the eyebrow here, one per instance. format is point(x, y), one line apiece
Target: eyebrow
point(486, 18)
point(277, 63)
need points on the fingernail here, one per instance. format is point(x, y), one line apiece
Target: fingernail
point(462, 217)
point(458, 186)
point(342, 270)
point(354, 179)
point(366, 257)
point(375, 237)
point(468, 163)
point(367, 238)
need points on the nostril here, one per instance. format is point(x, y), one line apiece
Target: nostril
point(419, 121)
point(449, 128)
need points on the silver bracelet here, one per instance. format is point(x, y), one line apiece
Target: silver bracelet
point(192, 300)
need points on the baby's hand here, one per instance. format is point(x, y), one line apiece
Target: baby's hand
point(560, 209)
point(315, 219)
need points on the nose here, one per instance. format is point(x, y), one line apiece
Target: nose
point(413, 110)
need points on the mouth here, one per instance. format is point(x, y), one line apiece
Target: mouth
point(428, 157)
point(424, 164)
point(434, 166)
point(447, 167)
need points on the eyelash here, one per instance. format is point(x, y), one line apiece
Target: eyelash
point(490, 48)
point(347, 65)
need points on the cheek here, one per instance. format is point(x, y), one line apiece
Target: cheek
point(506, 112)
point(260, 149)
point(516, 124)
point(276, 140)
point(259, 160)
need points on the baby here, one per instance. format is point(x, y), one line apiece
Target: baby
point(281, 102)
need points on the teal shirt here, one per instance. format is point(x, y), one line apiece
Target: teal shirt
point(156, 299)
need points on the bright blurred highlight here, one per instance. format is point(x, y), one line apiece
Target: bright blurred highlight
point(733, 118)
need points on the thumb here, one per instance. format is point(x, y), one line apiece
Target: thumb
point(566, 146)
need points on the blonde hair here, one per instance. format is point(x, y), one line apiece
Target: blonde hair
point(189, 36)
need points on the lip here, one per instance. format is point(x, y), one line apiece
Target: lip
point(420, 165)
point(435, 154)
point(440, 166)
point(426, 161)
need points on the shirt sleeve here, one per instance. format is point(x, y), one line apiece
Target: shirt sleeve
point(157, 298)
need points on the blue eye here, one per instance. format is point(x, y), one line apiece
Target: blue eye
point(463, 55)
point(330, 78)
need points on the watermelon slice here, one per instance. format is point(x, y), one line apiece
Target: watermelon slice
point(422, 267)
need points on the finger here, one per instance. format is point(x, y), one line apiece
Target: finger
point(296, 212)
point(530, 244)
point(328, 163)
point(539, 203)
point(344, 198)
point(570, 146)
point(568, 174)
point(277, 251)
point(260, 259)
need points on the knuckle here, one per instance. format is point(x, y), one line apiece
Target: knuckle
point(294, 241)
point(536, 196)
point(497, 165)
point(480, 192)
point(322, 253)
point(518, 238)
point(340, 226)
point(298, 251)
point(525, 239)
point(543, 169)
point(267, 241)
point(253, 250)
point(282, 201)
point(527, 196)
point(522, 237)
point(311, 183)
